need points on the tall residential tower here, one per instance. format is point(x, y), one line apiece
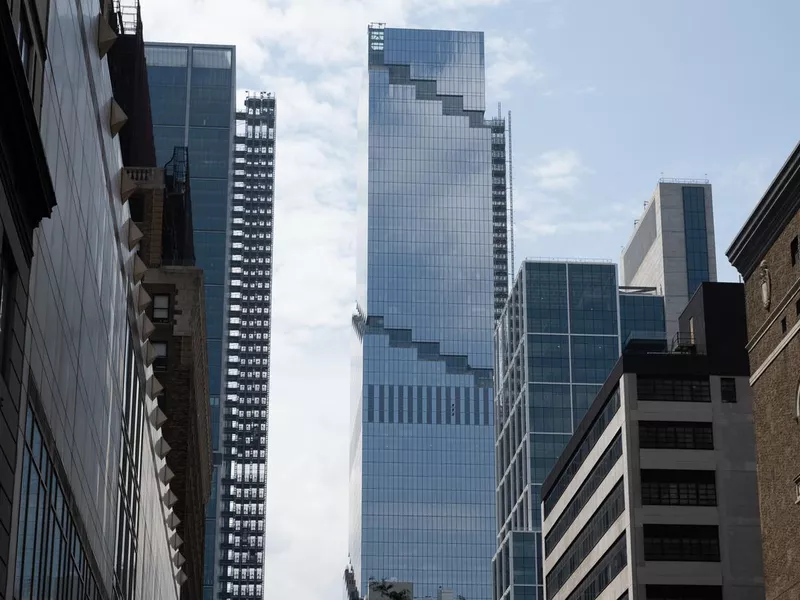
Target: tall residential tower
point(242, 499)
point(422, 474)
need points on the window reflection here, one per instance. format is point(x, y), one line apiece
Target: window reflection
point(51, 562)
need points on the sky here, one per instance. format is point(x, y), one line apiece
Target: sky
point(606, 98)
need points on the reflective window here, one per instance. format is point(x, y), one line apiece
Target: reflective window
point(683, 592)
point(603, 573)
point(600, 522)
point(694, 219)
point(641, 316)
point(689, 543)
point(663, 389)
point(51, 558)
point(678, 488)
point(728, 389)
point(612, 405)
point(160, 308)
point(584, 493)
point(676, 435)
point(593, 295)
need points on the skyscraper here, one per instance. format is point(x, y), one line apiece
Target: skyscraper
point(672, 247)
point(192, 92)
point(556, 341)
point(422, 473)
point(242, 500)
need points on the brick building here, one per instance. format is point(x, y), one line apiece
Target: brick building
point(765, 252)
point(161, 206)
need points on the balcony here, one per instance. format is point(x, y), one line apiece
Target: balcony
point(143, 178)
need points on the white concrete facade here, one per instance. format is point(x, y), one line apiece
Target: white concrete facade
point(655, 256)
point(738, 574)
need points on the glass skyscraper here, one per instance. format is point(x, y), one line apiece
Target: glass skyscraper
point(192, 97)
point(556, 342)
point(422, 473)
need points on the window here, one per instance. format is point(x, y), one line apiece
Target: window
point(161, 308)
point(683, 592)
point(793, 250)
point(783, 325)
point(605, 516)
point(51, 552)
point(676, 435)
point(678, 488)
point(662, 389)
point(797, 308)
point(686, 543)
point(728, 389)
point(160, 363)
point(592, 437)
point(25, 42)
point(584, 493)
point(604, 573)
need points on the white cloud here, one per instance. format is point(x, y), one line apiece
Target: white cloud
point(311, 54)
point(558, 170)
point(546, 197)
point(509, 59)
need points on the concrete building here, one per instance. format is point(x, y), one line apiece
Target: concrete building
point(26, 197)
point(672, 246)
point(556, 341)
point(88, 458)
point(766, 254)
point(655, 494)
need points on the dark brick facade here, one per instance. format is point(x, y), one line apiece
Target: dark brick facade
point(774, 351)
point(185, 404)
point(184, 372)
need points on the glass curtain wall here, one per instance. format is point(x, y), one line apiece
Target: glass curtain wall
point(422, 475)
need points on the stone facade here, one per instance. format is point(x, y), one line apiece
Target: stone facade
point(185, 405)
point(763, 255)
point(183, 373)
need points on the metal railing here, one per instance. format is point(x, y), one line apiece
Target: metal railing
point(683, 181)
point(571, 261)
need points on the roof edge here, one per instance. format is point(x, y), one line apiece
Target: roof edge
point(768, 219)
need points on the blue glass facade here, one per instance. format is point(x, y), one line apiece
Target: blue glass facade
point(694, 221)
point(556, 342)
point(641, 315)
point(422, 476)
point(192, 95)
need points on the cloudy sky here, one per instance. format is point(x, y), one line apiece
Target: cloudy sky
point(607, 96)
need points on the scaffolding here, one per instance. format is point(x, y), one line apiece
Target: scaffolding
point(510, 208)
point(127, 17)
